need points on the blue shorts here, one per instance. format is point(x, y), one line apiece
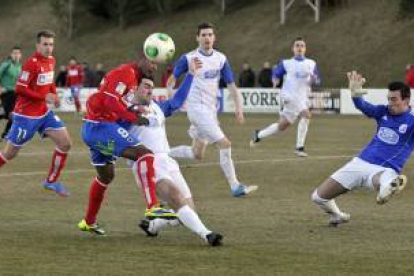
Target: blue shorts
point(24, 128)
point(75, 90)
point(106, 141)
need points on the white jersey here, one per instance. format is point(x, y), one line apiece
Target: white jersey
point(154, 136)
point(205, 87)
point(298, 74)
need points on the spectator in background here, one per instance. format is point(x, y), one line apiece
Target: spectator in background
point(88, 75)
point(409, 75)
point(74, 80)
point(9, 71)
point(265, 76)
point(98, 74)
point(61, 77)
point(246, 78)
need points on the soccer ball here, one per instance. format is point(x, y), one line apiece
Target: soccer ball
point(159, 47)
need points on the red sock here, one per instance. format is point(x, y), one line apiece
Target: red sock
point(58, 163)
point(96, 195)
point(3, 160)
point(77, 104)
point(146, 174)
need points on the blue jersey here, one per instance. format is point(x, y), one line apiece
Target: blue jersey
point(394, 139)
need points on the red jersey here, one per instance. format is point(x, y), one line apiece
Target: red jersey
point(409, 77)
point(109, 104)
point(34, 83)
point(74, 76)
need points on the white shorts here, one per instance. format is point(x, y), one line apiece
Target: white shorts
point(204, 125)
point(293, 106)
point(358, 173)
point(167, 168)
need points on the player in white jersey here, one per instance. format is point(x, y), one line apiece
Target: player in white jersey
point(202, 106)
point(171, 184)
point(299, 74)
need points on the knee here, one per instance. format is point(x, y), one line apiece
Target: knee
point(107, 177)
point(65, 147)
point(224, 144)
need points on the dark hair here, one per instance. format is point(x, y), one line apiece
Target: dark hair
point(73, 58)
point(299, 38)
point(204, 25)
point(17, 47)
point(402, 87)
point(45, 33)
point(148, 77)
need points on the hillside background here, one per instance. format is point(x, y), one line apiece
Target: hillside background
point(365, 35)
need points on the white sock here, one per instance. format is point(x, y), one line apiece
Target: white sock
point(302, 131)
point(227, 166)
point(182, 152)
point(191, 220)
point(156, 225)
point(328, 205)
point(272, 129)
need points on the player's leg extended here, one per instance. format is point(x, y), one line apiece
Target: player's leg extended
point(97, 192)
point(388, 183)
point(195, 151)
point(274, 128)
point(227, 166)
point(324, 196)
point(303, 125)
point(63, 144)
point(172, 194)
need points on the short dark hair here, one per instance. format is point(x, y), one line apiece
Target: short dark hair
point(45, 33)
point(17, 47)
point(298, 38)
point(402, 87)
point(204, 25)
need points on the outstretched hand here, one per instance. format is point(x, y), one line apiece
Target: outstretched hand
point(195, 65)
point(356, 81)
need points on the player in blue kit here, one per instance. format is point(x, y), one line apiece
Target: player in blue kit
point(379, 165)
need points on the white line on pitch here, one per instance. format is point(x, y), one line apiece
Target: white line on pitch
point(193, 165)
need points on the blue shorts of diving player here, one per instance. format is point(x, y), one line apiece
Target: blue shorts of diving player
point(106, 141)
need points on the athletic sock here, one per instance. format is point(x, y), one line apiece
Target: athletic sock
point(96, 196)
point(227, 166)
point(302, 131)
point(191, 220)
point(272, 129)
point(182, 152)
point(58, 163)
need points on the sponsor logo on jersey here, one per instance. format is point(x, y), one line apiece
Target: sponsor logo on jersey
point(45, 78)
point(388, 136)
point(24, 76)
point(211, 74)
point(120, 88)
point(302, 74)
point(403, 128)
point(73, 72)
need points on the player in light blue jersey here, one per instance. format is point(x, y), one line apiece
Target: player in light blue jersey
point(202, 106)
point(379, 165)
point(299, 74)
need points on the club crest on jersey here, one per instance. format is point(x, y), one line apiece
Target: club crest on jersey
point(24, 76)
point(211, 74)
point(120, 88)
point(403, 128)
point(45, 78)
point(388, 136)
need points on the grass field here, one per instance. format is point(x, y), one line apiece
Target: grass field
point(277, 231)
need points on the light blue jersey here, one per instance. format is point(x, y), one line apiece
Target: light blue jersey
point(393, 142)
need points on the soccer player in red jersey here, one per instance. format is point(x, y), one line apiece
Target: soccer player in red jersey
point(109, 114)
point(34, 89)
point(74, 80)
